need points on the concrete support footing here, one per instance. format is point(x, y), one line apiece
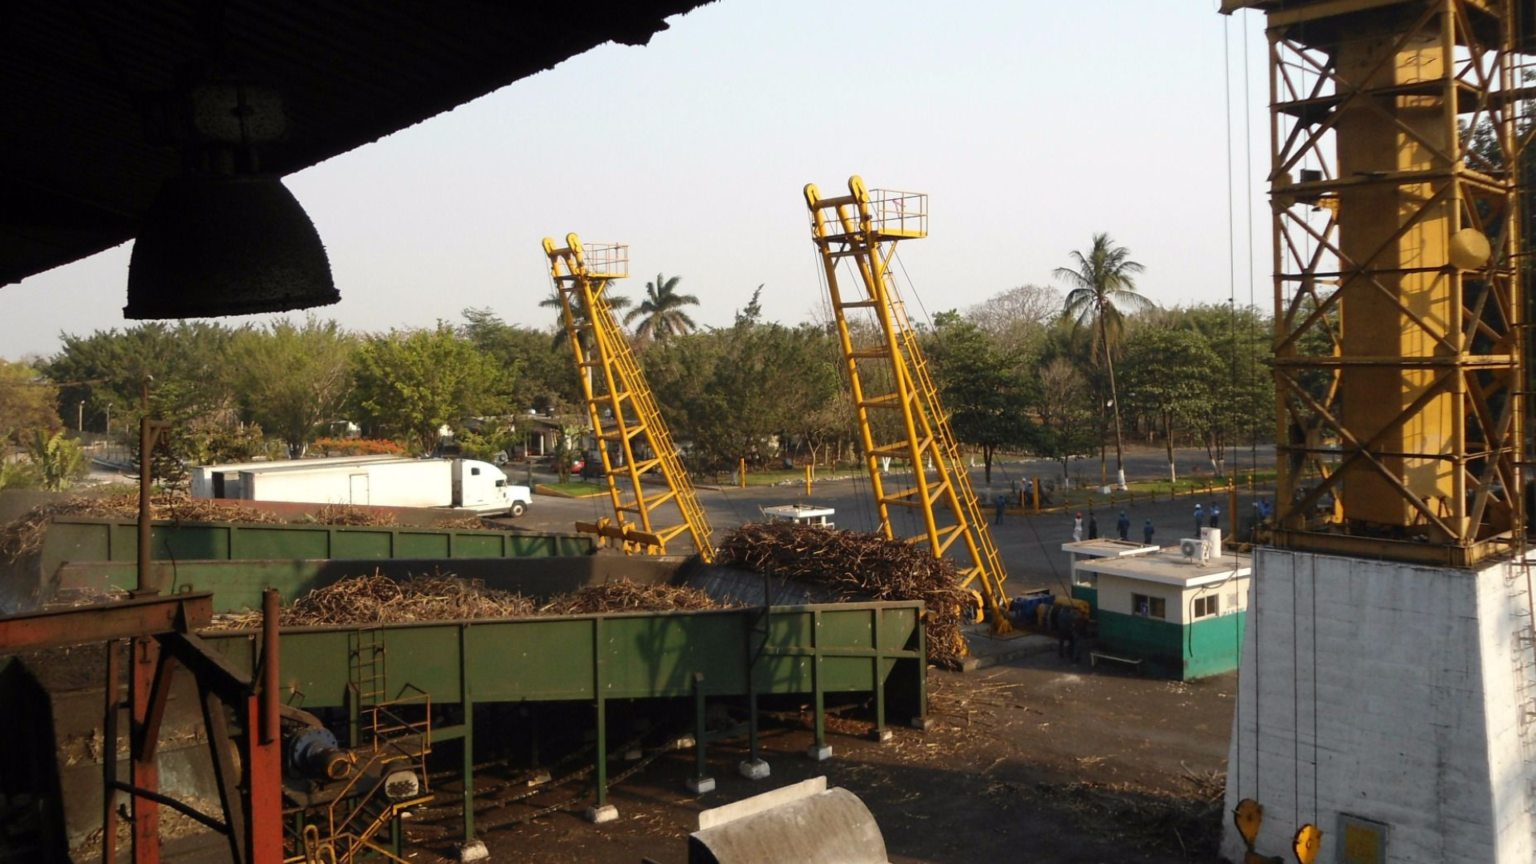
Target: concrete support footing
point(1382, 701)
point(605, 813)
point(883, 736)
point(473, 851)
point(686, 742)
point(922, 724)
point(701, 785)
point(819, 752)
point(633, 754)
point(754, 769)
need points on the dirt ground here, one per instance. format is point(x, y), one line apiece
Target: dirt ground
point(1037, 759)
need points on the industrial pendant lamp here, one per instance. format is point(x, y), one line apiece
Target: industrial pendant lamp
point(223, 238)
point(226, 245)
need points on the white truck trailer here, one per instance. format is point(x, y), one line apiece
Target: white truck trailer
point(223, 481)
point(460, 484)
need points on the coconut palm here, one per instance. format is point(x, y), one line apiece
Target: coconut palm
point(1102, 284)
point(616, 302)
point(661, 313)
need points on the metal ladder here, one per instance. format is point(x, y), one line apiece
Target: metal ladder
point(613, 383)
point(368, 670)
point(863, 228)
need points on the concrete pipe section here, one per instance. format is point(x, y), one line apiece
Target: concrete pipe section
point(806, 823)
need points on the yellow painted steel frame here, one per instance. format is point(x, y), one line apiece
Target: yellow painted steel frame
point(864, 229)
point(622, 410)
point(1398, 356)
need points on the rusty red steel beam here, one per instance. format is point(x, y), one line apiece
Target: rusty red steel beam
point(148, 616)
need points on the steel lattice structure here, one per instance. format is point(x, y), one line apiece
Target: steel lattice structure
point(863, 227)
point(1398, 325)
point(621, 409)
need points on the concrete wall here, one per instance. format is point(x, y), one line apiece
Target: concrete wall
point(1390, 692)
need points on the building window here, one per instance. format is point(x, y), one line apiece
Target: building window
point(1148, 607)
point(1207, 606)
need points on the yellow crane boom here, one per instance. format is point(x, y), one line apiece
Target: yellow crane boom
point(623, 413)
point(863, 227)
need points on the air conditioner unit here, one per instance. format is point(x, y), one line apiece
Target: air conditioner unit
point(1194, 550)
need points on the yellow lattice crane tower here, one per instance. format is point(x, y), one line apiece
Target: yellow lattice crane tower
point(863, 228)
point(623, 414)
point(1398, 352)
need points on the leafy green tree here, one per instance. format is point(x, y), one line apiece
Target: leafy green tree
point(543, 374)
point(27, 402)
point(292, 378)
point(188, 362)
point(59, 460)
point(661, 314)
point(414, 382)
point(1103, 281)
point(20, 474)
point(987, 401)
point(1244, 389)
point(1171, 375)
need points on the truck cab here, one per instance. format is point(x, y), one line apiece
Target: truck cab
point(483, 488)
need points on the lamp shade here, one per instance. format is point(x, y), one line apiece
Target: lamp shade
point(226, 245)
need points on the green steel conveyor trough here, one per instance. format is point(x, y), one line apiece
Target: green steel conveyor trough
point(872, 648)
point(238, 560)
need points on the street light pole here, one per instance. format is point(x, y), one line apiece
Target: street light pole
point(80, 418)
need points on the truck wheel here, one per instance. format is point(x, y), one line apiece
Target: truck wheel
point(518, 509)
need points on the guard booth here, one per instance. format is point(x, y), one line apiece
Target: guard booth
point(801, 514)
point(1085, 583)
point(1171, 614)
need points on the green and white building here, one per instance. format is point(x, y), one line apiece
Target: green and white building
point(1181, 615)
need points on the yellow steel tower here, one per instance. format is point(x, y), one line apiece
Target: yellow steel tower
point(624, 417)
point(863, 227)
point(1398, 351)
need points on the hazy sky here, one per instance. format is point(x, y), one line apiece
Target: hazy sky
point(1031, 125)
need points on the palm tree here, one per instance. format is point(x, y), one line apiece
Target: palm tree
point(661, 312)
point(1102, 283)
point(616, 302)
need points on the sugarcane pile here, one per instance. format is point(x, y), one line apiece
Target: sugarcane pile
point(857, 566)
point(24, 535)
point(627, 596)
point(378, 599)
point(349, 515)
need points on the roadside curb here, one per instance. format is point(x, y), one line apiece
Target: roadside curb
point(541, 489)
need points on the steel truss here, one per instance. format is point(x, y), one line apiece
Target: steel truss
point(1398, 352)
point(621, 409)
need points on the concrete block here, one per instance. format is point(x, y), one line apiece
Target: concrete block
point(473, 851)
point(753, 769)
point(761, 802)
point(633, 754)
point(819, 753)
point(922, 724)
point(684, 742)
point(701, 785)
point(605, 813)
point(881, 735)
point(539, 777)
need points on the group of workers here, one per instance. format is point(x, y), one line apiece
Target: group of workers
point(1204, 517)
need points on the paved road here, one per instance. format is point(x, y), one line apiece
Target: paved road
point(1031, 546)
